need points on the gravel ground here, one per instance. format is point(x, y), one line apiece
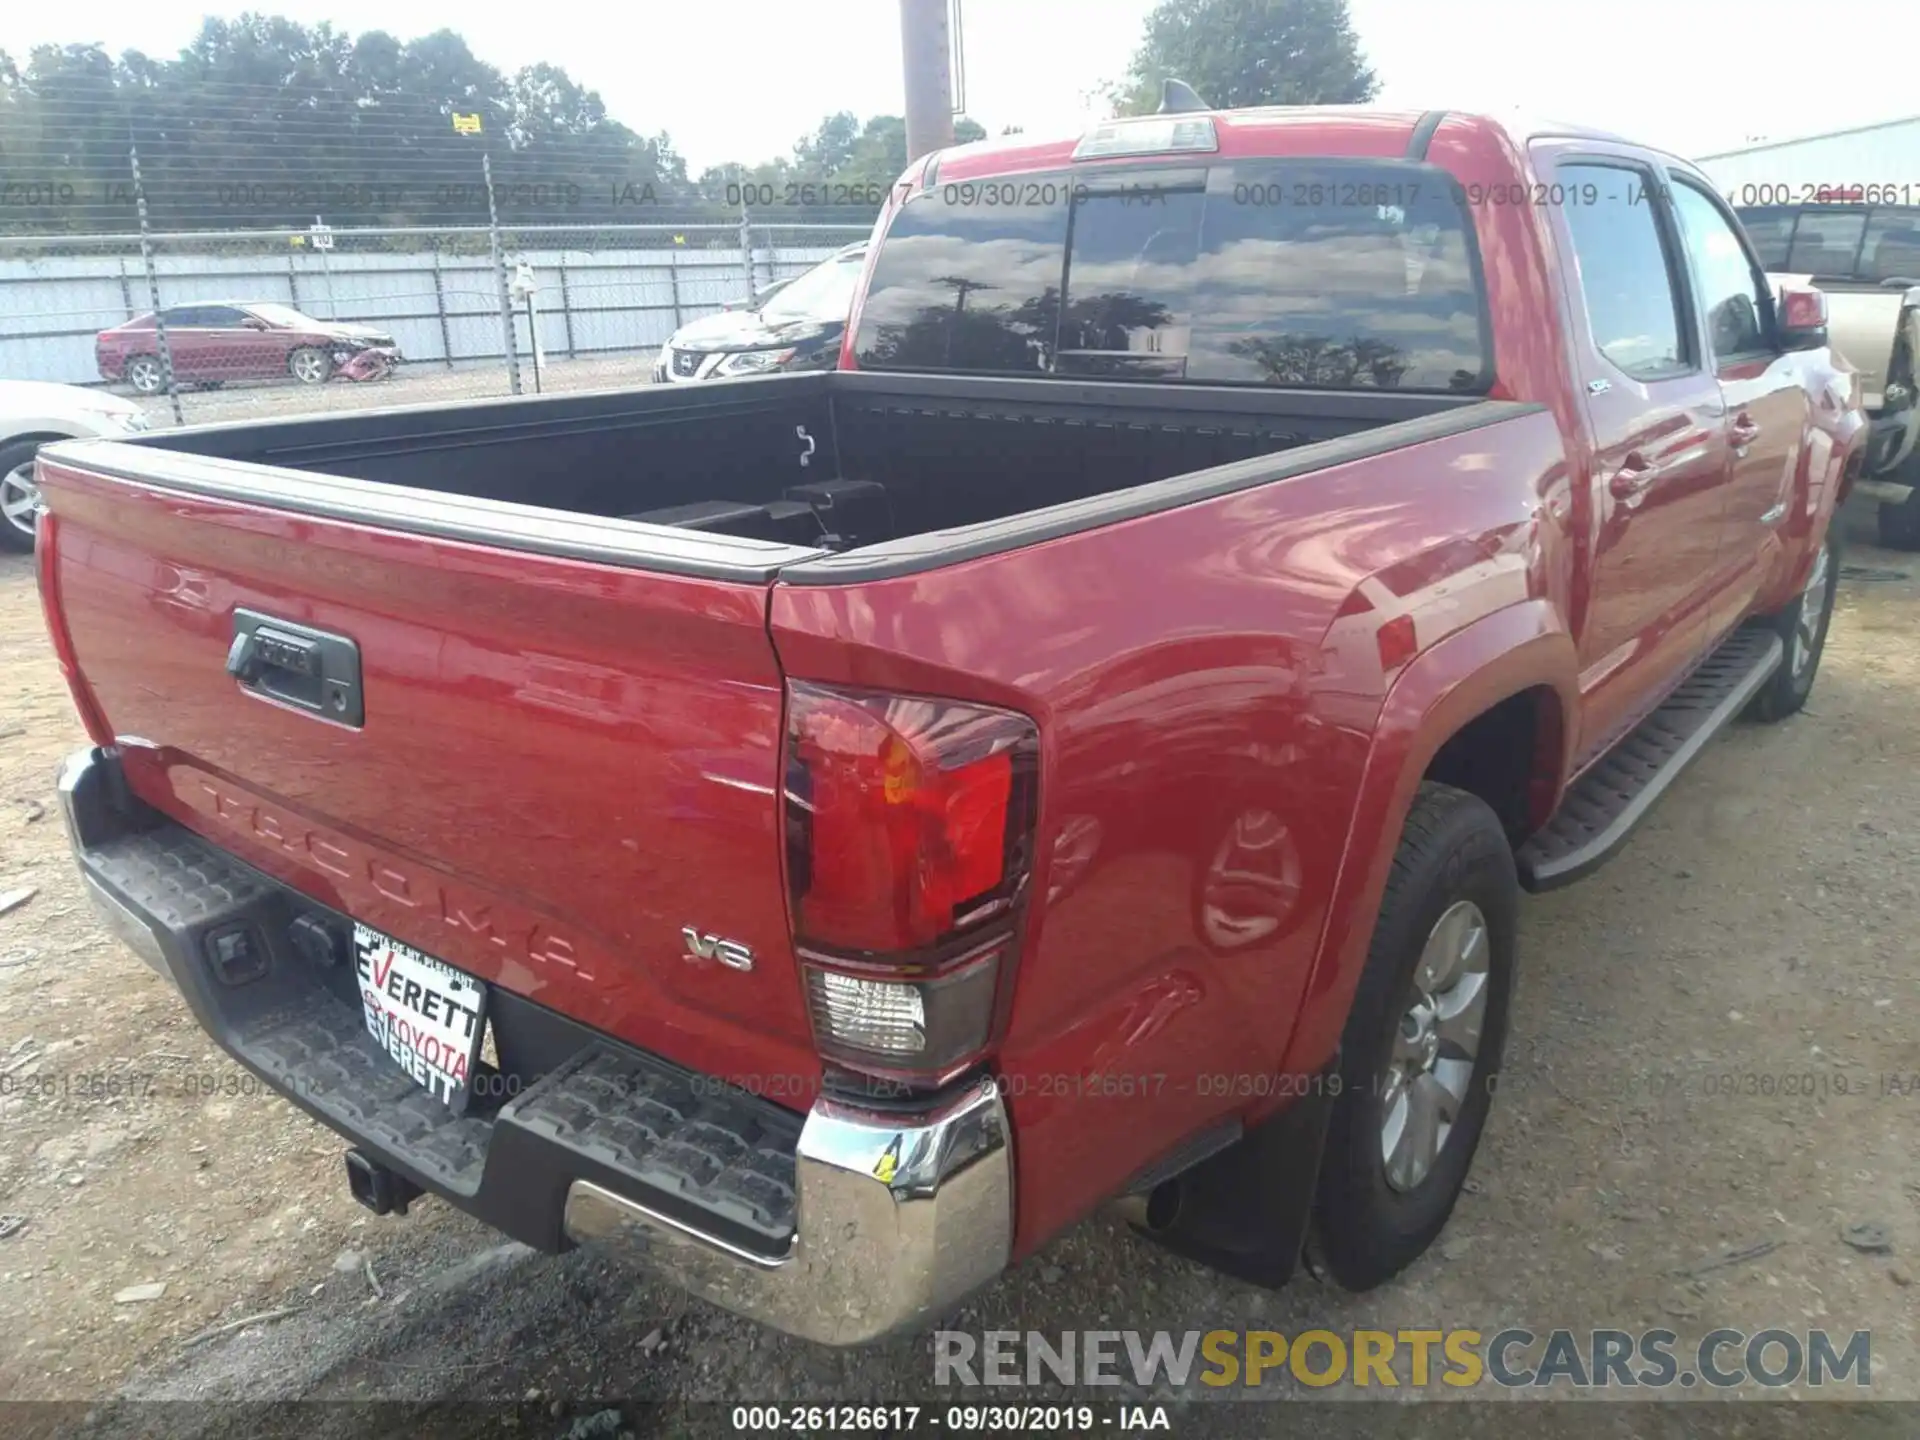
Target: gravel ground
point(1758, 928)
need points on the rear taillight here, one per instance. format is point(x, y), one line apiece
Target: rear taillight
point(909, 826)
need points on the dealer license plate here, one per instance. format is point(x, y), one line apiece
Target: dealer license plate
point(430, 1017)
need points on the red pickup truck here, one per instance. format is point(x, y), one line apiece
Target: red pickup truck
point(827, 833)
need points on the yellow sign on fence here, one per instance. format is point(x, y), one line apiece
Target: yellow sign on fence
point(466, 124)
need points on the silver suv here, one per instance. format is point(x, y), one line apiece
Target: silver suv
point(1867, 260)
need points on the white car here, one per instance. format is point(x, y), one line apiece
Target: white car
point(34, 413)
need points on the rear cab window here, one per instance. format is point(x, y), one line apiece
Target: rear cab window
point(1304, 273)
point(1835, 242)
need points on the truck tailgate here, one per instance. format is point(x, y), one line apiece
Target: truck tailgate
point(562, 764)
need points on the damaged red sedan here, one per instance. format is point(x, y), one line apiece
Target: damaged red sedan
point(213, 343)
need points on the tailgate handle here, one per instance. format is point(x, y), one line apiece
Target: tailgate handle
point(297, 665)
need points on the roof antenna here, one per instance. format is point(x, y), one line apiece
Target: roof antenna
point(1177, 97)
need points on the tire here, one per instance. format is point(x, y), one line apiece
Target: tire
point(1900, 524)
point(310, 365)
point(143, 373)
point(1802, 627)
point(1454, 869)
point(18, 495)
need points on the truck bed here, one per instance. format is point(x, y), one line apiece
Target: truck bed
point(908, 456)
point(559, 761)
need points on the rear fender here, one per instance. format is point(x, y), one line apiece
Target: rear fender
point(1830, 461)
point(1519, 648)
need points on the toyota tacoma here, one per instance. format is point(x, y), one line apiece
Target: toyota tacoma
point(824, 834)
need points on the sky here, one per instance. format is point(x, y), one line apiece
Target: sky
point(743, 79)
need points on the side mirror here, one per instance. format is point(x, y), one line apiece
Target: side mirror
point(1801, 318)
point(254, 322)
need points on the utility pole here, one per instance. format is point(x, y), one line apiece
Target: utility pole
point(500, 275)
point(927, 65)
point(161, 343)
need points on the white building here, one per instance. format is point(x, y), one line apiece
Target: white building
point(1877, 164)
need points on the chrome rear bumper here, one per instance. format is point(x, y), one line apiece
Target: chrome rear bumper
point(1891, 438)
point(899, 1218)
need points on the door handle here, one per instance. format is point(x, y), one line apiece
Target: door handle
point(1743, 432)
point(1633, 479)
point(297, 665)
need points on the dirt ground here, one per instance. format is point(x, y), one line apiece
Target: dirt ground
point(1716, 1050)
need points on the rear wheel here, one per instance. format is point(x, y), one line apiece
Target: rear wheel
point(143, 374)
point(310, 366)
point(1803, 628)
point(1423, 1041)
point(19, 496)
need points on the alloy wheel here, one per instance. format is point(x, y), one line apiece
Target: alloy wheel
point(20, 499)
point(309, 366)
point(1435, 1046)
point(1813, 610)
point(143, 373)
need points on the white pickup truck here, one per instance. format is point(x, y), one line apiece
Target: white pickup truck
point(1866, 258)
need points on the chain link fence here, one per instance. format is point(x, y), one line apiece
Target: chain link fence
point(226, 324)
point(371, 254)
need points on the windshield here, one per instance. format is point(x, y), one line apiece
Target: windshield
point(1319, 273)
point(823, 293)
point(284, 315)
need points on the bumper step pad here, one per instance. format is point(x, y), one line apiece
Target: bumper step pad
point(328, 1060)
point(1601, 810)
point(675, 1133)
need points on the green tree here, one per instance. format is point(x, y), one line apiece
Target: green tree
point(1237, 53)
point(261, 122)
point(830, 146)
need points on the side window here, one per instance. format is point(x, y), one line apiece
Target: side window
point(222, 317)
point(1892, 248)
point(1770, 228)
point(1732, 293)
point(185, 317)
point(1826, 242)
point(1625, 276)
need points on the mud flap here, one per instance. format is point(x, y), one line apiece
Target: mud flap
point(1245, 1211)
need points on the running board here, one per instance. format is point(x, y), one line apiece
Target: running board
point(1602, 808)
